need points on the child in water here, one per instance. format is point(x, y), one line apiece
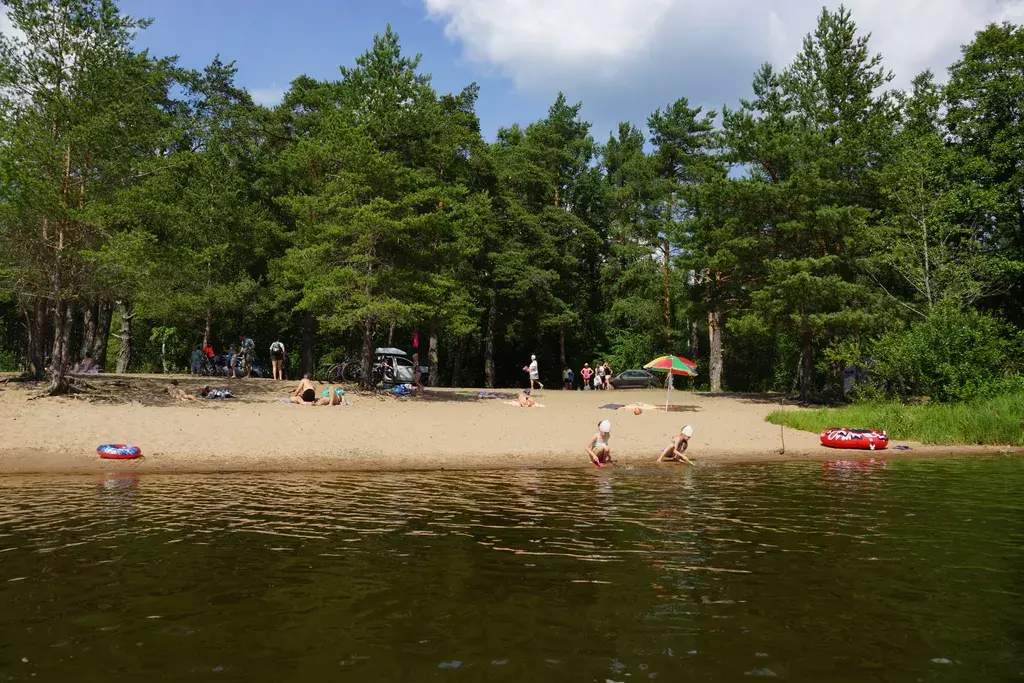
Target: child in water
point(676, 449)
point(598, 449)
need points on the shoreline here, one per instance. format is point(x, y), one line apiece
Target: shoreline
point(27, 462)
point(446, 430)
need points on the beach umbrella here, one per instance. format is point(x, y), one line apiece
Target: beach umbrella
point(672, 365)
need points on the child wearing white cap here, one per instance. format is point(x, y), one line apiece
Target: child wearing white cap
point(676, 449)
point(598, 449)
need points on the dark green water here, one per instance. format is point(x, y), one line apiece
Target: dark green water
point(910, 572)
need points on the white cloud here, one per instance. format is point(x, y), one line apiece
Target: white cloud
point(268, 97)
point(643, 52)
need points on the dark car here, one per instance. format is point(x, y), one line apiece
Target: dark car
point(634, 379)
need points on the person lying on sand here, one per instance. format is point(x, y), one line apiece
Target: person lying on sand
point(305, 393)
point(598, 449)
point(676, 449)
point(526, 400)
point(331, 396)
point(177, 393)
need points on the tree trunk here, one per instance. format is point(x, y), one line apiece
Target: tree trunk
point(665, 279)
point(492, 322)
point(60, 358)
point(805, 372)
point(432, 358)
point(367, 375)
point(104, 313)
point(89, 316)
point(35, 320)
point(208, 327)
point(308, 353)
point(694, 341)
point(124, 358)
point(460, 349)
point(391, 334)
point(561, 349)
point(715, 350)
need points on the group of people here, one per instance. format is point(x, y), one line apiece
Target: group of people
point(600, 451)
point(239, 358)
point(597, 378)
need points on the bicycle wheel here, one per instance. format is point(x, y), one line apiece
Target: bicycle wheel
point(334, 373)
point(352, 371)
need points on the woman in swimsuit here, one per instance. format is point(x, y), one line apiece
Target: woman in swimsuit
point(676, 449)
point(598, 449)
point(525, 400)
point(331, 396)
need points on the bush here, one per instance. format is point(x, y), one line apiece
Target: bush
point(952, 355)
point(993, 421)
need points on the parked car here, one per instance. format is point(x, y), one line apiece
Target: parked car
point(396, 367)
point(634, 379)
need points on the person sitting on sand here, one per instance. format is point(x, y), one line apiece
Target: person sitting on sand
point(331, 396)
point(598, 449)
point(676, 449)
point(526, 400)
point(305, 393)
point(177, 393)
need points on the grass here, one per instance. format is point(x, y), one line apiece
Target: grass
point(996, 421)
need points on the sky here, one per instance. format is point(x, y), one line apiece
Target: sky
point(621, 58)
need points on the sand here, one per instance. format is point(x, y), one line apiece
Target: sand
point(444, 430)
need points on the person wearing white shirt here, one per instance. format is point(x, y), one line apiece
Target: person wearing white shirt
point(535, 382)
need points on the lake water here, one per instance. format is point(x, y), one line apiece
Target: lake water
point(911, 570)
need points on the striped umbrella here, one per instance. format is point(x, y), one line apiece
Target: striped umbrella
point(672, 365)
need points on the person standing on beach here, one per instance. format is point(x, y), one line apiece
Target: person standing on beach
point(586, 373)
point(599, 379)
point(534, 371)
point(278, 357)
point(566, 379)
point(607, 375)
point(196, 359)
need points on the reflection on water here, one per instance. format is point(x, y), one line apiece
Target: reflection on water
point(902, 571)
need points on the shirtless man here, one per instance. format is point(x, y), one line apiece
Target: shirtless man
point(305, 393)
point(676, 449)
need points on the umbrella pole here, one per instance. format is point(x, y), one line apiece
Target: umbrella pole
point(668, 388)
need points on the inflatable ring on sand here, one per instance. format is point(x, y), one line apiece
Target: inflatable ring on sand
point(119, 451)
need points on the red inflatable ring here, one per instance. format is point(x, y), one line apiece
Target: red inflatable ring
point(863, 439)
point(119, 451)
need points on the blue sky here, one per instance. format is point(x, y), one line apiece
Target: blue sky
point(273, 42)
point(621, 58)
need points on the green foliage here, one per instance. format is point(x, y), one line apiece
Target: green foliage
point(952, 355)
point(992, 421)
point(825, 220)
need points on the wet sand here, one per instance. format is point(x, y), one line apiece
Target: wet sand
point(445, 430)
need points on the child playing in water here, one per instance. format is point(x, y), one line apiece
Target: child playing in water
point(598, 449)
point(676, 449)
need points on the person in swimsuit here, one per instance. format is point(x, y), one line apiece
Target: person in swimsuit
point(586, 373)
point(676, 449)
point(305, 393)
point(598, 449)
point(177, 393)
point(526, 400)
point(331, 396)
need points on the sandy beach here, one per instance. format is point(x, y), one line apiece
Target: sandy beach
point(445, 429)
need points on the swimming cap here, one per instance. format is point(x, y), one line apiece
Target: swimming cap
point(526, 391)
point(687, 431)
point(606, 427)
